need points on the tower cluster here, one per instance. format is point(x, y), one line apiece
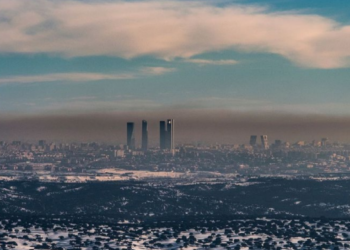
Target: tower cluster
point(166, 135)
point(264, 141)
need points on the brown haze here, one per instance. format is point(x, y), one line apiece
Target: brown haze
point(191, 126)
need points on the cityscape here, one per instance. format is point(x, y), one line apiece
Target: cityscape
point(60, 161)
point(174, 125)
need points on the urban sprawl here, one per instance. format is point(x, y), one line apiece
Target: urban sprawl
point(299, 158)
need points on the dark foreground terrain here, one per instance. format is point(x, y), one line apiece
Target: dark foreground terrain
point(129, 200)
point(244, 213)
point(44, 233)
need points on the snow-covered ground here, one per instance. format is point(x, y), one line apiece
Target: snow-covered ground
point(107, 174)
point(234, 234)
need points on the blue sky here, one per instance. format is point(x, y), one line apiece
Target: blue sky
point(257, 56)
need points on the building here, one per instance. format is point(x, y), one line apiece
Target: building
point(264, 142)
point(119, 153)
point(252, 140)
point(16, 143)
point(42, 143)
point(144, 145)
point(278, 143)
point(170, 135)
point(166, 135)
point(130, 136)
point(324, 142)
point(52, 146)
point(162, 135)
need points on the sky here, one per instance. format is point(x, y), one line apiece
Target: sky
point(234, 62)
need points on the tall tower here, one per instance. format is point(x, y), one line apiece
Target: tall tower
point(252, 141)
point(162, 135)
point(170, 134)
point(130, 136)
point(144, 135)
point(264, 142)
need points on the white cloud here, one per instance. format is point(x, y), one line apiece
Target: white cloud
point(169, 29)
point(65, 77)
point(211, 62)
point(84, 77)
point(157, 70)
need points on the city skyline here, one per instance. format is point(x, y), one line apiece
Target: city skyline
point(131, 144)
point(223, 127)
point(234, 129)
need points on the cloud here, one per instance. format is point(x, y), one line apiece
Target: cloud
point(84, 76)
point(65, 77)
point(157, 70)
point(169, 29)
point(211, 62)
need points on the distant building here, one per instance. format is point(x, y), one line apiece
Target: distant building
point(119, 153)
point(42, 143)
point(252, 140)
point(16, 143)
point(162, 135)
point(134, 153)
point(166, 134)
point(130, 135)
point(170, 134)
point(52, 146)
point(144, 145)
point(278, 143)
point(324, 142)
point(316, 143)
point(264, 142)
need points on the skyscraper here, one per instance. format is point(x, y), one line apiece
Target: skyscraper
point(252, 141)
point(166, 134)
point(170, 134)
point(130, 136)
point(162, 135)
point(264, 142)
point(144, 135)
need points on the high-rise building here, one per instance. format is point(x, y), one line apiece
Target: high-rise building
point(253, 139)
point(324, 142)
point(144, 135)
point(170, 134)
point(264, 142)
point(162, 135)
point(130, 136)
point(166, 134)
